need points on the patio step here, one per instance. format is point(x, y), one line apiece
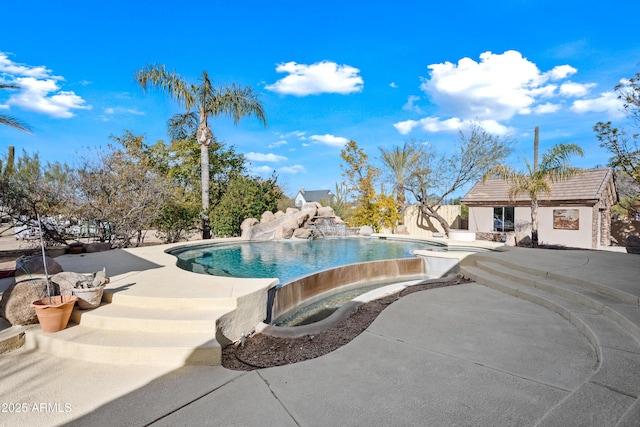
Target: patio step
point(609, 320)
point(180, 333)
point(128, 347)
point(143, 319)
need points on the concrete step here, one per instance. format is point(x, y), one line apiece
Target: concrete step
point(622, 311)
point(128, 347)
point(557, 276)
point(127, 318)
point(174, 302)
point(612, 392)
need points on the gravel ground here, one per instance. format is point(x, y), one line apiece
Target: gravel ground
point(263, 351)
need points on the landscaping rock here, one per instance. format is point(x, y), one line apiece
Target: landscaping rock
point(302, 233)
point(15, 305)
point(326, 212)
point(67, 280)
point(248, 223)
point(32, 266)
point(97, 247)
point(266, 217)
point(633, 245)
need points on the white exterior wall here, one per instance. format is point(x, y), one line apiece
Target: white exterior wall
point(481, 220)
point(299, 201)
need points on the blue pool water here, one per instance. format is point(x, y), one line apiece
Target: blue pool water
point(289, 260)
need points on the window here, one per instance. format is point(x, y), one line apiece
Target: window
point(503, 219)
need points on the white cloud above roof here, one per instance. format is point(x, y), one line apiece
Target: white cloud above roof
point(39, 90)
point(318, 78)
point(495, 89)
point(295, 169)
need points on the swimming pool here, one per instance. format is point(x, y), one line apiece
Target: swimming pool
point(288, 260)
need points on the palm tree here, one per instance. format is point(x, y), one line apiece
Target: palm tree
point(401, 162)
point(538, 179)
point(207, 101)
point(11, 121)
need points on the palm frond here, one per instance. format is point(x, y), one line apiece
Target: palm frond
point(157, 76)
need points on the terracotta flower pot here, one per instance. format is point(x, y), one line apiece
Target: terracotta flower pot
point(88, 298)
point(54, 312)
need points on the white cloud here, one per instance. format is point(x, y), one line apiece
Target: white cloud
point(277, 144)
point(546, 108)
point(39, 90)
point(262, 170)
point(560, 72)
point(393, 85)
point(260, 157)
point(321, 77)
point(492, 90)
point(11, 68)
point(435, 124)
point(330, 140)
point(429, 124)
point(411, 106)
point(110, 112)
point(606, 102)
point(295, 169)
point(575, 89)
point(495, 88)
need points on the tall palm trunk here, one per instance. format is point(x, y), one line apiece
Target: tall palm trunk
point(204, 137)
point(534, 223)
point(534, 200)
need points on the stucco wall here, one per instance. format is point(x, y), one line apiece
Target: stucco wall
point(421, 226)
point(481, 220)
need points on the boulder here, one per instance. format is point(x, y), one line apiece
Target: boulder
point(326, 212)
point(302, 233)
point(97, 247)
point(15, 305)
point(365, 230)
point(633, 245)
point(278, 214)
point(287, 234)
point(32, 266)
point(266, 217)
point(247, 224)
point(291, 211)
point(67, 280)
point(311, 205)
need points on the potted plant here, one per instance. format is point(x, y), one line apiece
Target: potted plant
point(89, 291)
point(53, 311)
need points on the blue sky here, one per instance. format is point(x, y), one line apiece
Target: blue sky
point(378, 72)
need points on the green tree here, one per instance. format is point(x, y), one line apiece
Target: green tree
point(401, 162)
point(434, 178)
point(12, 121)
point(246, 197)
point(29, 189)
point(623, 144)
point(118, 191)
point(370, 208)
point(538, 179)
point(207, 101)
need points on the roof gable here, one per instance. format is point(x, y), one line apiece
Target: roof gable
point(590, 185)
point(315, 195)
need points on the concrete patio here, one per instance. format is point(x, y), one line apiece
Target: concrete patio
point(542, 338)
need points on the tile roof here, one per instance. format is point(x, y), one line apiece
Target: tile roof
point(589, 185)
